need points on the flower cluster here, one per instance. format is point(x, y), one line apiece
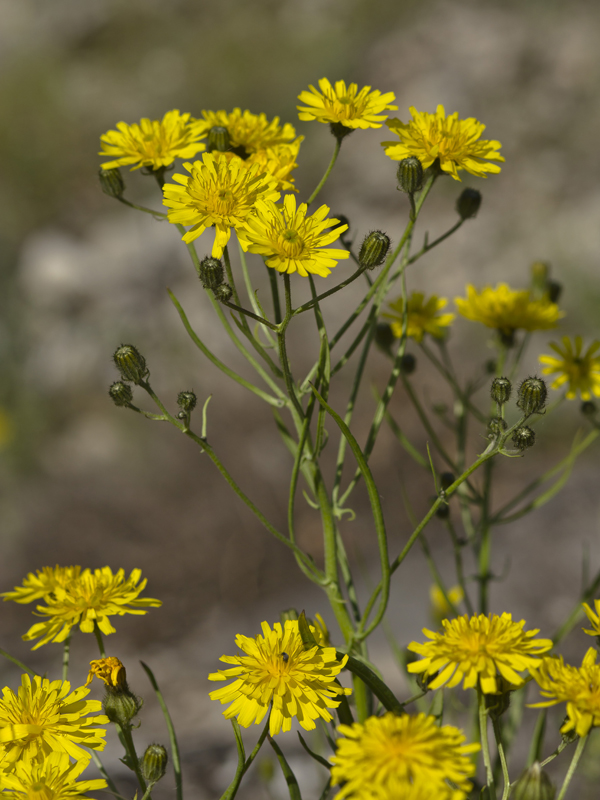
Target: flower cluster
point(508, 310)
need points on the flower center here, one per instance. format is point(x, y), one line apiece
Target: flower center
point(291, 243)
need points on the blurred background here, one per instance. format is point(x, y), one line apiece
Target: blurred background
point(86, 483)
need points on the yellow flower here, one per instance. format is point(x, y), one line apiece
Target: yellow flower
point(290, 241)
point(345, 105)
point(439, 604)
point(248, 132)
point(152, 143)
point(454, 141)
point(277, 670)
point(385, 755)
point(579, 687)
point(594, 618)
point(508, 309)
point(278, 161)
point(54, 778)
point(89, 599)
point(581, 370)
point(478, 649)
point(422, 316)
point(43, 718)
point(110, 670)
point(42, 585)
point(219, 191)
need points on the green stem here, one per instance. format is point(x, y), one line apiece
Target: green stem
point(230, 279)
point(485, 746)
point(485, 549)
point(18, 663)
point(65, 661)
point(104, 773)
point(250, 314)
point(156, 214)
point(290, 778)
point(243, 762)
point(573, 765)
point(577, 611)
point(385, 696)
point(283, 357)
point(505, 777)
point(336, 152)
point(429, 246)
point(564, 743)
point(127, 742)
point(275, 294)
point(98, 636)
point(426, 424)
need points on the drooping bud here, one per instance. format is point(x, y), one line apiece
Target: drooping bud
point(111, 182)
point(496, 427)
point(153, 764)
point(501, 390)
point(340, 131)
point(384, 337)
point(187, 401)
point(130, 363)
point(373, 250)
point(218, 139)
point(410, 175)
point(120, 393)
point(589, 408)
point(554, 291)
point(468, 203)
point(532, 396)
point(446, 480)
point(408, 364)
point(533, 784)
point(523, 437)
point(211, 272)
point(121, 706)
point(223, 293)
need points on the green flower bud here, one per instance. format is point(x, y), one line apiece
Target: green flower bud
point(288, 614)
point(443, 510)
point(468, 203)
point(588, 408)
point(501, 390)
point(540, 271)
point(384, 337)
point(410, 175)
point(121, 706)
point(554, 291)
point(130, 363)
point(153, 763)
point(523, 437)
point(111, 182)
point(533, 784)
point(187, 401)
point(218, 139)
point(120, 393)
point(340, 131)
point(446, 480)
point(408, 364)
point(373, 250)
point(496, 426)
point(223, 293)
point(532, 396)
point(490, 366)
point(211, 272)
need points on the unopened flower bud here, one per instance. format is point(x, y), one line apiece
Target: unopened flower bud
point(446, 480)
point(533, 784)
point(288, 614)
point(554, 291)
point(468, 203)
point(442, 511)
point(490, 366)
point(120, 393)
point(532, 396)
point(501, 390)
point(373, 250)
point(111, 182)
point(408, 364)
point(121, 706)
point(523, 437)
point(540, 271)
point(223, 293)
point(410, 175)
point(130, 363)
point(384, 337)
point(588, 408)
point(497, 426)
point(153, 763)
point(218, 139)
point(211, 272)
point(340, 131)
point(187, 401)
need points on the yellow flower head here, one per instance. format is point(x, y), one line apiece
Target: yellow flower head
point(54, 778)
point(478, 649)
point(42, 585)
point(248, 133)
point(580, 370)
point(345, 105)
point(439, 604)
point(508, 309)
point(88, 600)
point(152, 143)
point(43, 718)
point(290, 241)
point(578, 687)
point(278, 161)
point(385, 755)
point(454, 141)
point(422, 316)
point(219, 191)
point(277, 669)
point(110, 670)
point(594, 618)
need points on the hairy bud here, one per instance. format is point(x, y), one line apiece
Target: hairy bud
point(153, 764)
point(554, 291)
point(211, 272)
point(501, 390)
point(468, 203)
point(446, 480)
point(340, 131)
point(589, 408)
point(410, 175)
point(120, 393)
point(121, 706)
point(408, 364)
point(532, 396)
point(223, 293)
point(130, 363)
point(373, 250)
point(533, 784)
point(111, 182)
point(523, 437)
point(218, 139)
point(496, 426)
